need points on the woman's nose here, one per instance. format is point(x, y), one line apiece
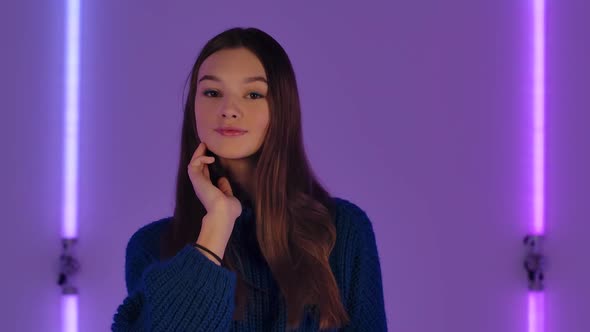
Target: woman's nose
point(229, 115)
point(230, 109)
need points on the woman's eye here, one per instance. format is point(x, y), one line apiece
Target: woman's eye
point(206, 93)
point(212, 93)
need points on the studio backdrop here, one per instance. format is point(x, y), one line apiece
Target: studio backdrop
point(420, 112)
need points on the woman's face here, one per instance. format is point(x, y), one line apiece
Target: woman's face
point(232, 91)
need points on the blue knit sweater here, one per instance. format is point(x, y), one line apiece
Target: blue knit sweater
point(188, 292)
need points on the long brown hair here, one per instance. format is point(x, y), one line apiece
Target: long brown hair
point(294, 214)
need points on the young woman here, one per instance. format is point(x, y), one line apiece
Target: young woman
point(255, 242)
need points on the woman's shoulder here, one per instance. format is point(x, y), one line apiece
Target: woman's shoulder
point(354, 234)
point(350, 217)
point(147, 237)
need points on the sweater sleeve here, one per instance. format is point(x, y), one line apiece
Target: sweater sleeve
point(188, 292)
point(365, 297)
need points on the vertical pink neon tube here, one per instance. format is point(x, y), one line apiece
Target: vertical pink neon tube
point(69, 307)
point(536, 300)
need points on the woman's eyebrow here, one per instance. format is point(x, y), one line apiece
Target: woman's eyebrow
point(246, 80)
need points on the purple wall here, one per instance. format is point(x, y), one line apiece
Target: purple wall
point(568, 165)
point(30, 164)
point(418, 111)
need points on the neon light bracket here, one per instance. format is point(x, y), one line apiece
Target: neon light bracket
point(68, 267)
point(535, 262)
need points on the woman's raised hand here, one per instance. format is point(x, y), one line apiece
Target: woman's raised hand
point(217, 200)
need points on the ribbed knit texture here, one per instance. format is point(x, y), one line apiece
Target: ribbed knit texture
point(188, 292)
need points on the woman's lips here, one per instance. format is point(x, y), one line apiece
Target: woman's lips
point(231, 132)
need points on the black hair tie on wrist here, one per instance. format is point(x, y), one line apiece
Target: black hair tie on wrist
point(196, 245)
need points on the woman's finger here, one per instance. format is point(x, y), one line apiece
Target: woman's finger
point(206, 171)
point(199, 162)
point(200, 151)
point(224, 186)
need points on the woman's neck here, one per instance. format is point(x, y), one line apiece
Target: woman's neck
point(241, 172)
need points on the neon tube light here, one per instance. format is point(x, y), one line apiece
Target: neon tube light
point(70, 153)
point(536, 300)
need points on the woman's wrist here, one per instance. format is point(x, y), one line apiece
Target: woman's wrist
point(208, 253)
point(212, 244)
point(213, 235)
